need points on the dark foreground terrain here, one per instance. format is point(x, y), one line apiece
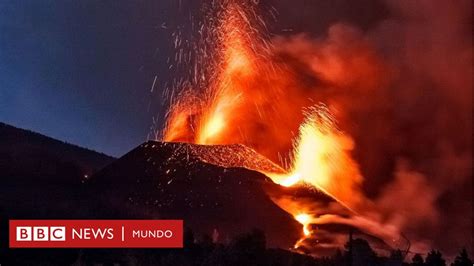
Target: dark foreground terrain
point(46, 179)
point(212, 188)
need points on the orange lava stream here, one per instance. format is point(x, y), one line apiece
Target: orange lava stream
point(247, 102)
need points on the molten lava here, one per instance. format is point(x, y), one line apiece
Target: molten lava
point(252, 97)
point(304, 219)
point(321, 158)
point(247, 102)
point(210, 117)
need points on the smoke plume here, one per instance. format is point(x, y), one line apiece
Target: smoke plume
point(403, 90)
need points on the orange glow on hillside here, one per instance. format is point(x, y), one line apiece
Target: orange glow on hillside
point(252, 97)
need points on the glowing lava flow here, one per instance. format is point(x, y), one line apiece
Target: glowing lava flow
point(321, 158)
point(246, 101)
point(305, 220)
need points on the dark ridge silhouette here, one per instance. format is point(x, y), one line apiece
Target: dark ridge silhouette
point(214, 188)
point(41, 178)
point(26, 156)
point(171, 180)
point(217, 190)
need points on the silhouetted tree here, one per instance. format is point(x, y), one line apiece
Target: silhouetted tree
point(339, 258)
point(417, 260)
point(462, 259)
point(362, 253)
point(396, 258)
point(435, 258)
point(254, 241)
point(248, 249)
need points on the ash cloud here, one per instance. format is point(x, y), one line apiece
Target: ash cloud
point(403, 89)
point(430, 45)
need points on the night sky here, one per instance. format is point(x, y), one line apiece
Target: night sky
point(81, 71)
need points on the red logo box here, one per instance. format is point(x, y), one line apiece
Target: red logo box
point(96, 233)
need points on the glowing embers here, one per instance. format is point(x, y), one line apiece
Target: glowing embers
point(245, 99)
point(209, 116)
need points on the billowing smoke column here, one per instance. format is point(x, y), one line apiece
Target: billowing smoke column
point(413, 129)
point(403, 112)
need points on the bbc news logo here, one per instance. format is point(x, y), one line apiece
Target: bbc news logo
point(40, 233)
point(96, 233)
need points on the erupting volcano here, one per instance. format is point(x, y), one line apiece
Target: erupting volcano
point(277, 132)
point(241, 91)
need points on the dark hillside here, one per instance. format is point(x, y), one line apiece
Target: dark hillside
point(26, 156)
point(172, 181)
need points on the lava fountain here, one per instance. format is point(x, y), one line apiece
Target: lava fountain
point(252, 97)
point(321, 157)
